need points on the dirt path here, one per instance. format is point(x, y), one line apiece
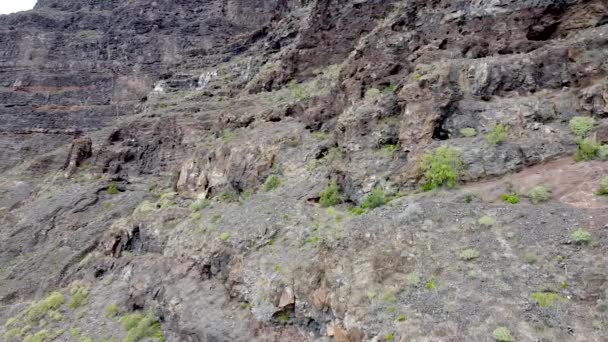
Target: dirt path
point(570, 182)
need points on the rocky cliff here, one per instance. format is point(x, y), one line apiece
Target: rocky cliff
point(312, 170)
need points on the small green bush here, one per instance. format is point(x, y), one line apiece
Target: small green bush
point(330, 196)
point(38, 310)
point(225, 236)
point(358, 211)
point(372, 92)
point(502, 334)
point(547, 299)
point(510, 198)
point(539, 194)
point(199, 204)
point(440, 167)
point(140, 327)
point(272, 183)
point(468, 254)
point(603, 189)
point(40, 336)
point(486, 221)
point(602, 152)
point(497, 135)
point(111, 310)
point(581, 125)
point(55, 315)
point(587, 149)
point(113, 189)
point(80, 296)
point(468, 132)
point(401, 318)
point(581, 236)
point(375, 199)
point(431, 284)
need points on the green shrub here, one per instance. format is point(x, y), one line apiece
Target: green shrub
point(372, 92)
point(375, 199)
point(389, 150)
point(401, 318)
point(111, 310)
point(486, 221)
point(358, 211)
point(129, 321)
point(389, 337)
point(330, 196)
point(140, 327)
point(468, 132)
point(468, 254)
point(199, 204)
point(587, 149)
point(603, 189)
point(497, 135)
point(38, 310)
point(75, 332)
point(431, 284)
point(539, 194)
point(547, 299)
point(502, 334)
point(40, 336)
point(225, 236)
point(272, 183)
point(581, 125)
point(581, 236)
point(297, 90)
point(283, 318)
point(510, 198)
point(440, 167)
point(602, 152)
point(80, 296)
point(113, 189)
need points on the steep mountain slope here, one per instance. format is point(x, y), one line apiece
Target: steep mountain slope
point(251, 170)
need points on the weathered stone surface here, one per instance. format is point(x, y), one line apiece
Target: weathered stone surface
point(187, 107)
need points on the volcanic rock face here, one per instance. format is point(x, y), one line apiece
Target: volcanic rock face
point(169, 159)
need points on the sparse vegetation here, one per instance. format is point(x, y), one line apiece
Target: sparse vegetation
point(587, 149)
point(111, 310)
point(112, 189)
point(440, 167)
point(502, 334)
point(497, 135)
point(40, 309)
point(199, 204)
point(539, 194)
point(283, 318)
point(389, 337)
point(225, 236)
point(401, 318)
point(468, 132)
point(431, 284)
point(330, 196)
point(486, 221)
point(375, 199)
point(140, 327)
point(581, 236)
point(581, 125)
point(547, 299)
point(372, 92)
point(389, 150)
point(468, 254)
point(603, 188)
point(272, 183)
point(511, 198)
point(602, 152)
point(80, 296)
